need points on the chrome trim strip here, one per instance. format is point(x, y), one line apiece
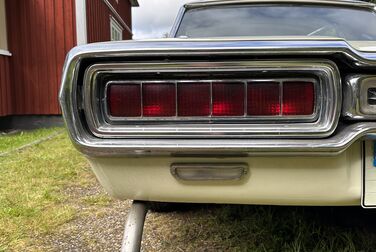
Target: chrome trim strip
point(355, 105)
point(177, 22)
point(356, 4)
point(226, 47)
point(333, 145)
point(320, 124)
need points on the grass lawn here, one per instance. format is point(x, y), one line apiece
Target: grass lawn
point(35, 207)
point(31, 202)
point(14, 141)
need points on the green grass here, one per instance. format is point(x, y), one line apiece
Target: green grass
point(31, 182)
point(265, 228)
point(14, 141)
point(97, 200)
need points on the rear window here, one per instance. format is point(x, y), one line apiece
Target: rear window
point(275, 20)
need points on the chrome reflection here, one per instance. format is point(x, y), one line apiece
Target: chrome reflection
point(321, 124)
point(356, 105)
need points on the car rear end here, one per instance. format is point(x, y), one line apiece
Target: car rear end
point(286, 120)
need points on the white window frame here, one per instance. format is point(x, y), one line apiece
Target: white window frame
point(81, 26)
point(3, 31)
point(116, 29)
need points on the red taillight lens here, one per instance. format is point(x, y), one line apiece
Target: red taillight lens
point(219, 99)
point(159, 99)
point(124, 100)
point(263, 99)
point(228, 99)
point(298, 98)
point(194, 99)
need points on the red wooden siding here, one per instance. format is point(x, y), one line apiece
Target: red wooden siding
point(98, 19)
point(40, 33)
point(5, 91)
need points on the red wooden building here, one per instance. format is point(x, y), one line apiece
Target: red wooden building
point(35, 36)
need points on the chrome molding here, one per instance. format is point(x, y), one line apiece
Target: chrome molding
point(350, 3)
point(355, 105)
point(321, 124)
point(87, 143)
point(177, 22)
point(103, 106)
point(336, 144)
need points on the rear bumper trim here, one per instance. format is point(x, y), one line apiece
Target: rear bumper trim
point(333, 145)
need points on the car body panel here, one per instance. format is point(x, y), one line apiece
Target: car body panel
point(292, 180)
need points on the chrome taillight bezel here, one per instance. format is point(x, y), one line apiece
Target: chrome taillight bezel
point(320, 124)
point(212, 118)
point(355, 105)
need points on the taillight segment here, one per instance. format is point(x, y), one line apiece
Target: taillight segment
point(194, 99)
point(211, 99)
point(124, 100)
point(228, 98)
point(263, 99)
point(158, 99)
point(298, 98)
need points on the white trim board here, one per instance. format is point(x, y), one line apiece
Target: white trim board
point(81, 28)
point(5, 52)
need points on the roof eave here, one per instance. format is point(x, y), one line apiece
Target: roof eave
point(134, 3)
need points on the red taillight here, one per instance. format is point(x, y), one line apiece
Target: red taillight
point(298, 98)
point(217, 99)
point(124, 100)
point(159, 99)
point(228, 99)
point(263, 99)
point(194, 99)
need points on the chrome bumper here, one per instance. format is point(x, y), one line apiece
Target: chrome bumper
point(334, 145)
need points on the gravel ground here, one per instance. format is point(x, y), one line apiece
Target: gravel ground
point(99, 226)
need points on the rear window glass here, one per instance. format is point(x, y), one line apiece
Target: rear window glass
point(355, 24)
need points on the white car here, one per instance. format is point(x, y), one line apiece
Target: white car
point(248, 102)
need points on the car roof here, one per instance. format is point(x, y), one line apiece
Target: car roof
point(353, 3)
